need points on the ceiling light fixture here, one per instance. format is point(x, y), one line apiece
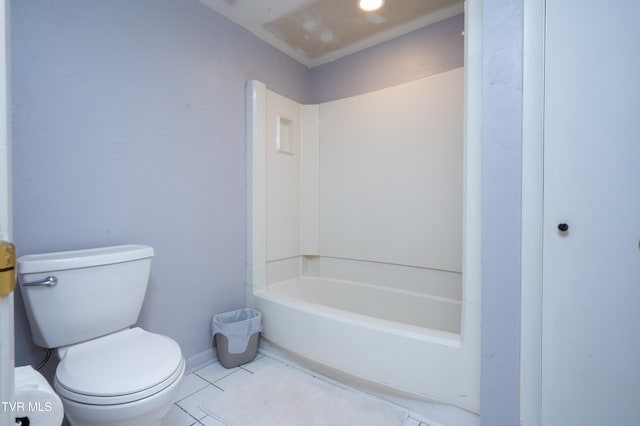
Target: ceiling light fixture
point(370, 5)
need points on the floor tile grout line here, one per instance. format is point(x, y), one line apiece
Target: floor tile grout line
point(192, 393)
point(186, 412)
point(220, 378)
point(248, 371)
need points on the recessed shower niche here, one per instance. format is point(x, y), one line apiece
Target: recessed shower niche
point(284, 137)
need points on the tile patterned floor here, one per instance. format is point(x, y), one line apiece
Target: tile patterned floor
point(200, 385)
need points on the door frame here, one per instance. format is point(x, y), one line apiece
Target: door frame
point(7, 347)
point(532, 213)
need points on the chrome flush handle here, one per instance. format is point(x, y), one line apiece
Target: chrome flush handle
point(50, 281)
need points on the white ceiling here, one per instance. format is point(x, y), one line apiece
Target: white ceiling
point(315, 32)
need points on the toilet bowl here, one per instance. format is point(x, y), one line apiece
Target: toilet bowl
point(126, 378)
point(84, 303)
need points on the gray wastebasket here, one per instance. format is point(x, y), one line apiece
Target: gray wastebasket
point(235, 334)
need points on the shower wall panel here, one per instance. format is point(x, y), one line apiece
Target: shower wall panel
point(283, 175)
point(391, 174)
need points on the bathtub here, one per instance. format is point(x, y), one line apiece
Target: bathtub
point(394, 343)
point(358, 272)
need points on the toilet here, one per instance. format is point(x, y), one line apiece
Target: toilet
point(84, 303)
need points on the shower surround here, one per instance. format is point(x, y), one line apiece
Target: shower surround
point(355, 241)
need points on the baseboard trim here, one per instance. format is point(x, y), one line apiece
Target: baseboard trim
point(199, 360)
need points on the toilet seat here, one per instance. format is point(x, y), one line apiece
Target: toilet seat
point(118, 368)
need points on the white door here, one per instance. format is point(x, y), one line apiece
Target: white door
point(591, 272)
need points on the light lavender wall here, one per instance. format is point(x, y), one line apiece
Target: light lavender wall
point(501, 210)
point(421, 53)
point(128, 127)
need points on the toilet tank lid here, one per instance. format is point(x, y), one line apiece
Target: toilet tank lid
point(34, 263)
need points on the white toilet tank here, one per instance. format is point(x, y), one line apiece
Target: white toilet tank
point(96, 292)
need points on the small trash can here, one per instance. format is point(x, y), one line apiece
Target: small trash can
point(235, 334)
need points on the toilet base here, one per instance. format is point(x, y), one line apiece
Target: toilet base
point(145, 412)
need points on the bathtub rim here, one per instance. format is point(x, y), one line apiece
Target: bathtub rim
point(428, 335)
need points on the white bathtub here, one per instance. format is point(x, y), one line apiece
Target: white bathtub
point(410, 345)
point(356, 264)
